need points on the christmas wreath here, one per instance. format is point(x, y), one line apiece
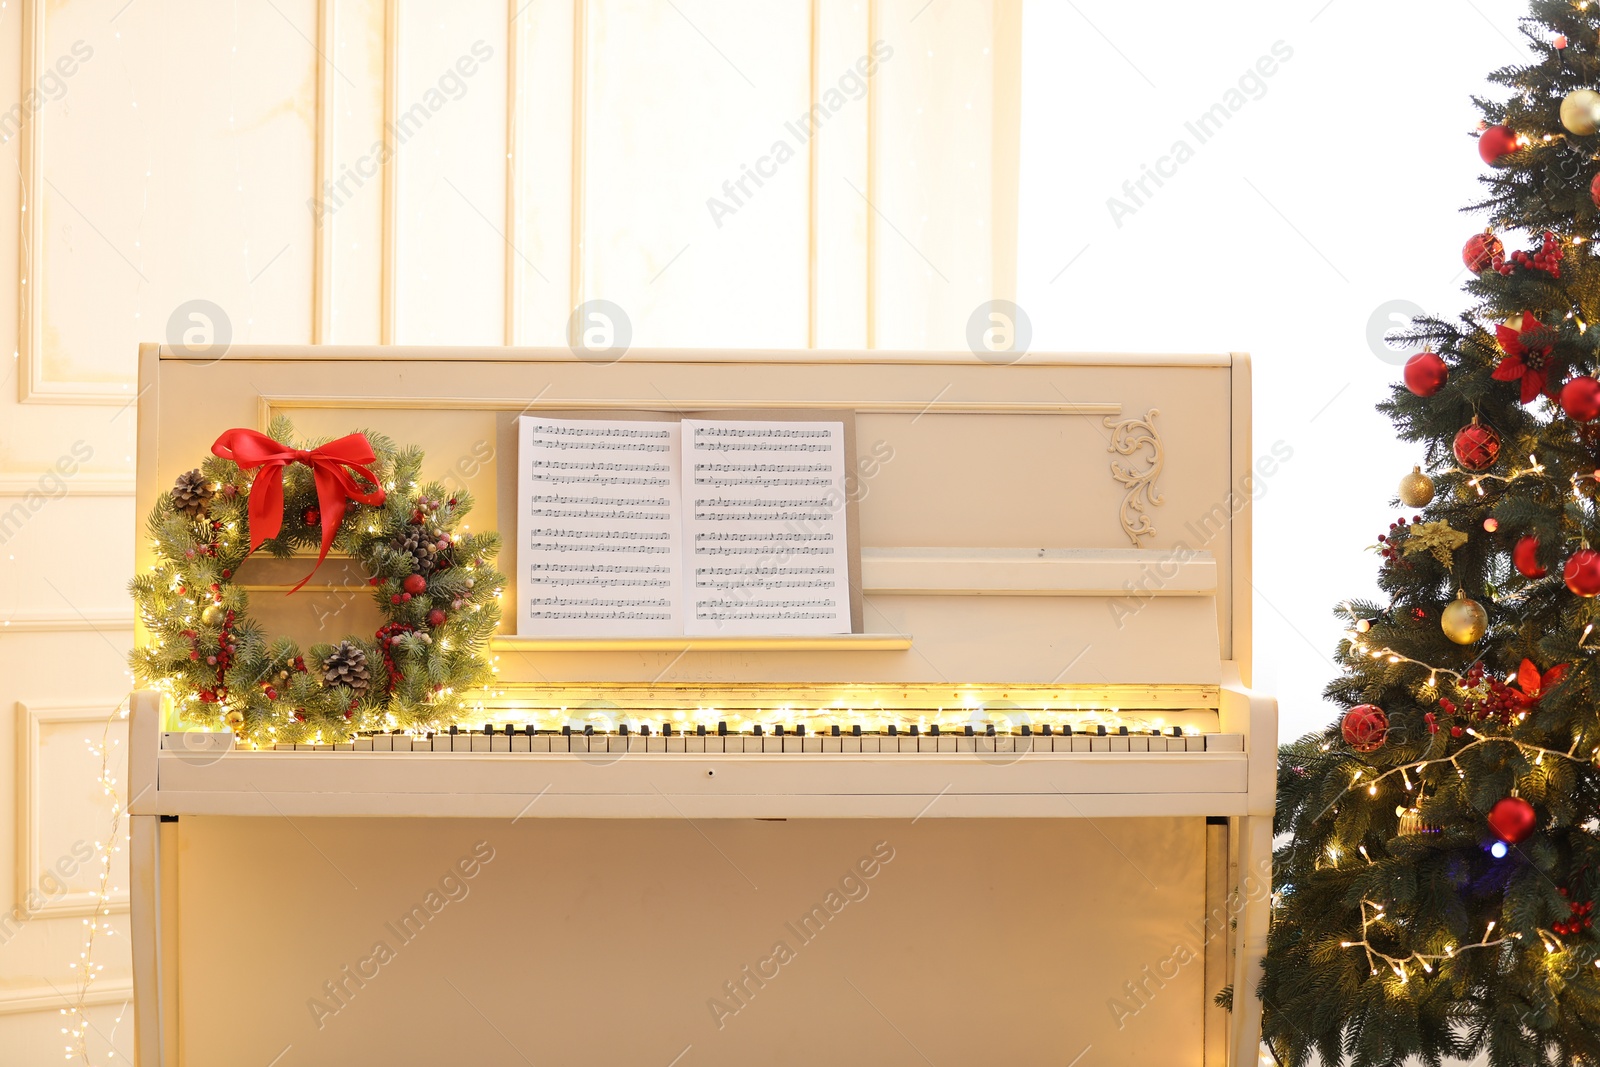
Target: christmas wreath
point(433, 582)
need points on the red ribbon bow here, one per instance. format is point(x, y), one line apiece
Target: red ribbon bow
point(335, 486)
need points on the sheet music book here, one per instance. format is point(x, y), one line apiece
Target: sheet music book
point(633, 528)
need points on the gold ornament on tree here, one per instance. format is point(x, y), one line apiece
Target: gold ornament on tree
point(1463, 620)
point(1580, 112)
point(211, 614)
point(1440, 538)
point(1416, 489)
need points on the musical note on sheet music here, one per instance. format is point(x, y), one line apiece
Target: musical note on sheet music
point(765, 527)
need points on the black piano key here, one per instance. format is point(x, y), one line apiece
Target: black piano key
point(588, 729)
point(488, 727)
point(700, 730)
point(666, 729)
point(1100, 730)
point(622, 729)
point(915, 730)
point(855, 730)
point(566, 731)
point(453, 729)
point(777, 731)
point(757, 730)
point(933, 729)
point(644, 730)
point(722, 729)
point(835, 730)
point(893, 730)
point(969, 730)
point(989, 730)
point(800, 731)
point(1122, 731)
point(510, 729)
point(1176, 731)
point(529, 730)
point(1044, 728)
point(1027, 731)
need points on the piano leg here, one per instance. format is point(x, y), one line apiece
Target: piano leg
point(153, 867)
point(1254, 833)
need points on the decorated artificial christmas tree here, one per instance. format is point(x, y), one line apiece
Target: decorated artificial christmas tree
point(1440, 854)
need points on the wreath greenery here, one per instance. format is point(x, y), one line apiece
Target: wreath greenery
point(433, 582)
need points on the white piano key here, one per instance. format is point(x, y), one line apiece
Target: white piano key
point(1005, 743)
point(616, 743)
point(283, 746)
point(1224, 742)
point(908, 744)
point(636, 743)
point(1159, 744)
point(481, 743)
point(770, 744)
point(1080, 743)
point(871, 743)
point(460, 742)
point(1195, 743)
point(1120, 744)
point(793, 743)
point(379, 743)
point(543, 743)
point(361, 744)
point(675, 743)
point(944, 743)
point(344, 746)
point(500, 743)
point(1099, 744)
point(520, 743)
point(655, 743)
point(966, 744)
point(986, 743)
point(811, 744)
point(313, 748)
point(694, 743)
point(1060, 743)
point(849, 744)
point(1139, 743)
point(718, 743)
point(832, 744)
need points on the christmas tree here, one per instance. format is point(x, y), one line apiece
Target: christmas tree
point(1439, 851)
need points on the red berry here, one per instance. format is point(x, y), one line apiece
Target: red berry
point(405, 598)
point(1455, 731)
point(195, 654)
point(226, 573)
point(436, 617)
point(415, 584)
point(395, 599)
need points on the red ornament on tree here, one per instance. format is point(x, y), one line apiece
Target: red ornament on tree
point(1513, 820)
point(435, 618)
point(1481, 250)
point(1477, 446)
point(1496, 144)
point(1594, 190)
point(415, 584)
point(1426, 373)
point(311, 516)
point(1582, 572)
point(1365, 727)
point(1580, 398)
point(1525, 557)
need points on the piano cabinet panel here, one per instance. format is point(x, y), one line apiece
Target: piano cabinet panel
point(586, 942)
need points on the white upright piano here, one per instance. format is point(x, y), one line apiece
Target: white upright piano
point(1022, 816)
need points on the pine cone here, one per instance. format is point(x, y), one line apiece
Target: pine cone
point(422, 545)
point(192, 493)
point(346, 665)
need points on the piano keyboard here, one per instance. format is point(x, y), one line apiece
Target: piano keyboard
point(780, 741)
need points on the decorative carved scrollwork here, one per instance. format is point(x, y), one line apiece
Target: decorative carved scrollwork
point(1129, 437)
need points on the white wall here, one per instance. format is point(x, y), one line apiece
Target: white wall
point(174, 163)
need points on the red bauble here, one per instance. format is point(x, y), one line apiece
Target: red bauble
point(1426, 373)
point(311, 516)
point(1513, 820)
point(1525, 557)
point(1582, 572)
point(1580, 398)
point(1365, 727)
point(1497, 143)
point(1481, 251)
point(1594, 190)
point(435, 618)
point(1477, 446)
point(415, 584)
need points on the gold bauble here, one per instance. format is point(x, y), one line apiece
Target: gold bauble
point(1580, 112)
point(211, 614)
point(1416, 489)
point(1464, 621)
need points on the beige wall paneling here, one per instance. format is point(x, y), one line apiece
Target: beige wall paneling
point(349, 205)
point(449, 126)
point(62, 811)
point(937, 186)
point(841, 46)
point(137, 173)
point(545, 163)
point(695, 188)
